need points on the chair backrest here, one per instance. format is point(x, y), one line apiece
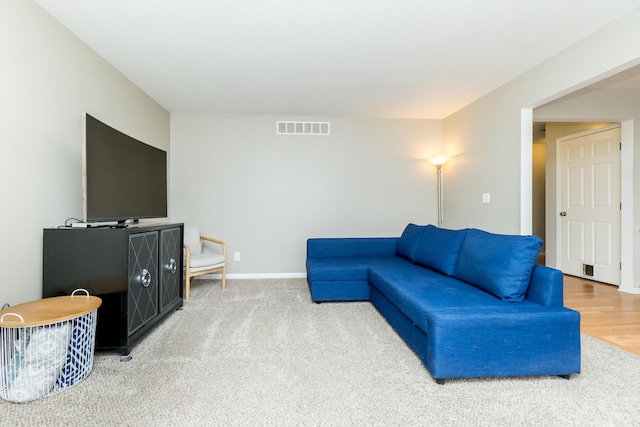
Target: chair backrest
point(192, 239)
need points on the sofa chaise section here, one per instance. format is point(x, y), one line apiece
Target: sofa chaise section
point(337, 268)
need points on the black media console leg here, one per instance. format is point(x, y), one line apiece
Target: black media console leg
point(566, 377)
point(440, 381)
point(125, 357)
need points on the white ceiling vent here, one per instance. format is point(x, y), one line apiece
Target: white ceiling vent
point(303, 128)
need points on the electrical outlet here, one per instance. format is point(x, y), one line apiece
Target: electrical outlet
point(236, 256)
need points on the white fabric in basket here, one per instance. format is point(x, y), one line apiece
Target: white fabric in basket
point(40, 361)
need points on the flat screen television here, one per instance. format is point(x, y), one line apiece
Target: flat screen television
point(123, 179)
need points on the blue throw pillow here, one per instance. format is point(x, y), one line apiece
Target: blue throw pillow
point(498, 263)
point(438, 249)
point(409, 240)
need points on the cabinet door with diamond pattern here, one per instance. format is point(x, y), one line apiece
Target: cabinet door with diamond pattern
point(143, 279)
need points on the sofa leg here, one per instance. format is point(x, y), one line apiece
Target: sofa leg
point(566, 377)
point(440, 381)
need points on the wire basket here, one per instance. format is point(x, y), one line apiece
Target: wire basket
point(40, 356)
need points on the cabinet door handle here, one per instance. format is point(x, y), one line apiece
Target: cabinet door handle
point(173, 266)
point(146, 278)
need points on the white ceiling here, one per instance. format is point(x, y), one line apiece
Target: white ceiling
point(368, 58)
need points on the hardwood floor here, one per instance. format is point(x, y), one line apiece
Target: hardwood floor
point(606, 313)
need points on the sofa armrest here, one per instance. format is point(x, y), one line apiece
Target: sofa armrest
point(546, 286)
point(347, 247)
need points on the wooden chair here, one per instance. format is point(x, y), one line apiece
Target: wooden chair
point(199, 260)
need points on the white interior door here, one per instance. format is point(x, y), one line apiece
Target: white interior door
point(589, 217)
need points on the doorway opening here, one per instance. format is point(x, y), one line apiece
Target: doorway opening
point(544, 198)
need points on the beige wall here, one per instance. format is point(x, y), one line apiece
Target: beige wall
point(266, 194)
point(489, 138)
point(485, 145)
point(485, 136)
point(613, 103)
point(48, 78)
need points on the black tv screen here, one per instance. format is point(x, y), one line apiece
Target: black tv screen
point(123, 178)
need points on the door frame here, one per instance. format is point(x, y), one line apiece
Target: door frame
point(627, 228)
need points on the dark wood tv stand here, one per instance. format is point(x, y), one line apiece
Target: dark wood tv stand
point(137, 271)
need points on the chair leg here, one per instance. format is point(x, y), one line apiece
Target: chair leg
point(187, 286)
point(224, 277)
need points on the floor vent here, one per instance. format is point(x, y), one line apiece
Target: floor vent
point(303, 128)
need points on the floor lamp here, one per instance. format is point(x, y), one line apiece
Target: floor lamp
point(438, 161)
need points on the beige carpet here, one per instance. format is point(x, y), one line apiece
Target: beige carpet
point(261, 353)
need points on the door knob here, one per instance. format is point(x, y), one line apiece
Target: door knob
point(563, 214)
point(146, 278)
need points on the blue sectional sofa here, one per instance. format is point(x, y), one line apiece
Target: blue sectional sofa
point(468, 302)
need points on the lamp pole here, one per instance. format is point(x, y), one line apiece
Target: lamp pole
point(439, 171)
point(438, 161)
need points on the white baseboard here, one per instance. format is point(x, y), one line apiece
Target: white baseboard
point(257, 276)
point(634, 291)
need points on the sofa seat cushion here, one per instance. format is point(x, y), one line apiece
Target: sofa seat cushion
point(438, 249)
point(206, 261)
point(416, 291)
point(498, 263)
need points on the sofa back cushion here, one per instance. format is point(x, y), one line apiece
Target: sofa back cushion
point(408, 242)
point(497, 263)
point(439, 248)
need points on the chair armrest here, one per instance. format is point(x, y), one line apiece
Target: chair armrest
point(217, 241)
point(187, 256)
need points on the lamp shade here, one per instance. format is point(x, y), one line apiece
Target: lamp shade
point(438, 160)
